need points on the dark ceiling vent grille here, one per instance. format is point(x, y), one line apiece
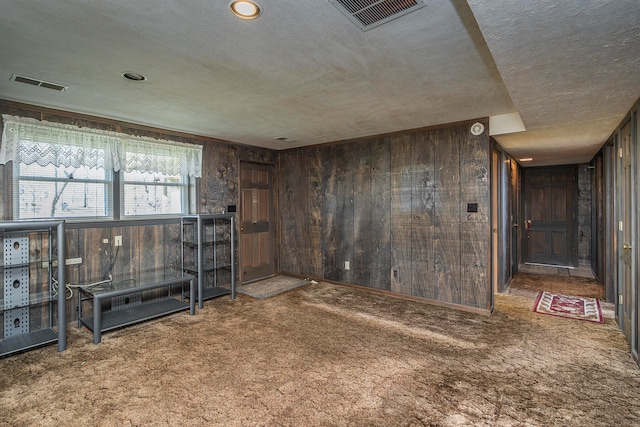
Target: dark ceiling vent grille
point(37, 82)
point(367, 14)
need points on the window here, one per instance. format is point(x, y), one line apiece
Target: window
point(63, 171)
point(144, 193)
point(61, 192)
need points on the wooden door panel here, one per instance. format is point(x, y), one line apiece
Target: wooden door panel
point(558, 204)
point(538, 243)
point(262, 177)
point(537, 205)
point(550, 206)
point(246, 215)
point(558, 244)
point(247, 250)
point(262, 206)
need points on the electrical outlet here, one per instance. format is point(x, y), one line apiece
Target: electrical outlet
point(117, 240)
point(395, 273)
point(105, 241)
point(346, 265)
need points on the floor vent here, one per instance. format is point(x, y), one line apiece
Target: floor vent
point(367, 14)
point(37, 82)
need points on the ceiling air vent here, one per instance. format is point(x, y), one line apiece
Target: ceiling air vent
point(38, 82)
point(367, 14)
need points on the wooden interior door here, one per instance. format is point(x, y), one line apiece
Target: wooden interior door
point(256, 222)
point(626, 228)
point(550, 216)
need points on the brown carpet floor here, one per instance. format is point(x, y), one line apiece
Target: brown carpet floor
point(336, 356)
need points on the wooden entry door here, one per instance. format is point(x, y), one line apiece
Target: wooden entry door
point(256, 222)
point(626, 228)
point(550, 205)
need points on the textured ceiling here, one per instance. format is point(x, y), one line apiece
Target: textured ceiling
point(302, 70)
point(572, 69)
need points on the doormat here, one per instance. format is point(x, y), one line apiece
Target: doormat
point(580, 308)
point(270, 287)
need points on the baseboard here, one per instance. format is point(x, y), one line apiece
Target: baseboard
point(459, 307)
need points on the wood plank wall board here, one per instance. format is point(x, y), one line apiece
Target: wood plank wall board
point(380, 276)
point(362, 214)
point(38, 280)
point(172, 249)
point(90, 250)
point(96, 256)
point(72, 250)
point(446, 230)
point(402, 162)
point(344, 223)
point(6, 195)
point(313, 160)
point(219, 184)
point(293, 213)
point(328, 212)
point(422, 208)
point(151, 254)
point(475, 230)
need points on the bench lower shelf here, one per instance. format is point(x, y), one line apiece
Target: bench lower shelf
point(27, 341)
point(137, 313)
point(209, 293)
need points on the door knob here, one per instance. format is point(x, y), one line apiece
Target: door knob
point(625, 246)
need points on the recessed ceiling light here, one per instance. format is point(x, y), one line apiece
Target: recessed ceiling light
point(245, 9)
point(136, 77)
point(526, 159)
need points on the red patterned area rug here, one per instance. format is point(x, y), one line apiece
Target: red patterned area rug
point(580, 308)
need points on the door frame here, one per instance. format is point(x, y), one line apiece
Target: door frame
point(503, 198)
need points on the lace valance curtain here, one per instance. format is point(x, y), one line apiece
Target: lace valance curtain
point(31, 141)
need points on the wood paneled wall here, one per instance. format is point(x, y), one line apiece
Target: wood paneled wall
point(394, 208)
